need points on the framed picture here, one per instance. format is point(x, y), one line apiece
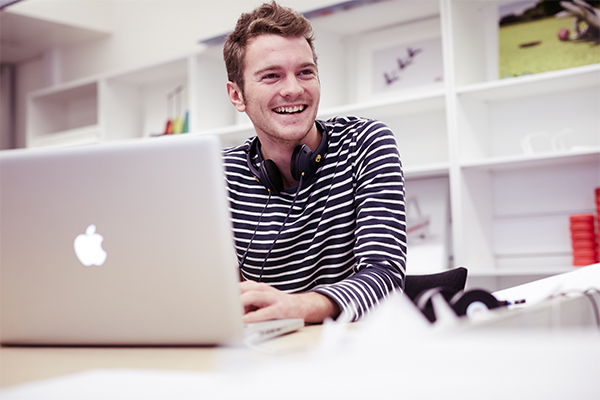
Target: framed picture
point(539, 36)
point(407, 65)
point(398, 58)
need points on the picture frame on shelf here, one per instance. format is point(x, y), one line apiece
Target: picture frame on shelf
point(407, 65)
point(541, 36)
point(398, 59)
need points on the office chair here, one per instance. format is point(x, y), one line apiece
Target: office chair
point(452, 281)
point(450, 284)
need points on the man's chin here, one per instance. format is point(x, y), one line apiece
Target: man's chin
point(288, 137)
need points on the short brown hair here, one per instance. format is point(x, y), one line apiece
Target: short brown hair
point(270, 18)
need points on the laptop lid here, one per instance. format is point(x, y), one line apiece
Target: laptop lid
point(117, 244)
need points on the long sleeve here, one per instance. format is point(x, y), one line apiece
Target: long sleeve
point(380, 246)
point(345, 235)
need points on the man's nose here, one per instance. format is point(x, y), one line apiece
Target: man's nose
point(291, 87)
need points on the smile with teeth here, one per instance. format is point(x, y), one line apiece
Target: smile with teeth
point(290, 109)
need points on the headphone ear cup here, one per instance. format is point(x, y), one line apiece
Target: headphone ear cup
point(271, 176)
point(300, 161)
point(473, 301)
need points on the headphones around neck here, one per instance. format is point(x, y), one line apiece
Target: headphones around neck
point(304, 161)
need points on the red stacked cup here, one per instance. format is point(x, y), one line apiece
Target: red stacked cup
point(597, 192)
point(583, 239)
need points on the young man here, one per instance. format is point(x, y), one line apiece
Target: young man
point(317, 206)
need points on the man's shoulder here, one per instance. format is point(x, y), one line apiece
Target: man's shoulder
point(341, 122)
point(356, 129)
point(238, 151)
point(235, 158)
point(351, 123)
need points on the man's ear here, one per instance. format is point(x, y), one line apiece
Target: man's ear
point(235, 96)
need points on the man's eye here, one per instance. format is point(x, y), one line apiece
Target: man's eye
point(307, 72)
point(270, 76)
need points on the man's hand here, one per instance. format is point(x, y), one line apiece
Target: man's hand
point(263, 302)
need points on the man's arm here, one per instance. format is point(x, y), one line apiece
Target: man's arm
point(263, 302)
point(380, 246)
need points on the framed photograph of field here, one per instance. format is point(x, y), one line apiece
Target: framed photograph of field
point(540, 35)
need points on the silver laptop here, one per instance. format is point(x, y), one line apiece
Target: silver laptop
point(119, 244)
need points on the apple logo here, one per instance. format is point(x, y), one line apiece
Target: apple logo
point(88, 247)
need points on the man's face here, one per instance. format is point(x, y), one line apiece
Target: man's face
point(281, 92)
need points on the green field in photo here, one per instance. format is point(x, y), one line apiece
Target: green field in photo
point(549, 55)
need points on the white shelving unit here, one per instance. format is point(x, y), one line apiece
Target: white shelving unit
point(136, 102)
point(520, 155)
point(525, 155)
point(65, 116)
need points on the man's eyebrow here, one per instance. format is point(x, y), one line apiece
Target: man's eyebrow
point(278, 67)
point(266, 69)
point(308, 64)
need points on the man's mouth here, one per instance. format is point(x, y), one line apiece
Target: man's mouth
point(290, 109)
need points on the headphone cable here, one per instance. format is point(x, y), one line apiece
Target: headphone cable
point(254, 234)
point(280, 229)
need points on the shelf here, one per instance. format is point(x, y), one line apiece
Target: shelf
point(551, 113)
point(515, 214)
point(67, 92)
point(57, 114)
point(426, 171)
point(585, 77)
point(547, 271)
point(72, 137)
point(139, 102)
point(400, 104)
point(534, 161)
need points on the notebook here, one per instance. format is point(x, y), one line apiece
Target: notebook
point(124, 243)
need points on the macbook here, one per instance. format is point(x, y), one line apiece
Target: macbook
point(124, 243)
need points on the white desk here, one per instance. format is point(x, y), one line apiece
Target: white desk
point(394, 353)
point(20, 364)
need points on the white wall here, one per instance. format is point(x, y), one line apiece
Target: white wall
point(92, 14)
point(142, 32)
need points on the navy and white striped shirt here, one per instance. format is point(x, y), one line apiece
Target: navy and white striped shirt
point(346, 234)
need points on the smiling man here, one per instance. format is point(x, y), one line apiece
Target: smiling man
point(317, 206)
